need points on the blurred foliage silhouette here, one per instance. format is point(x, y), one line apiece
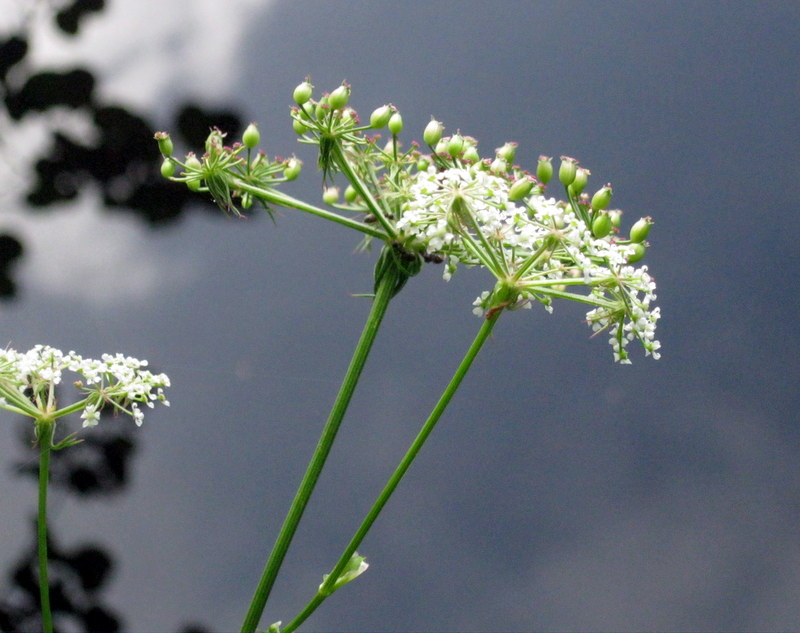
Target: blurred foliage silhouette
point(118, 159)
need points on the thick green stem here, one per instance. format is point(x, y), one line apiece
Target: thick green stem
point(384, 291)
point(400, 471)
point(44, 432)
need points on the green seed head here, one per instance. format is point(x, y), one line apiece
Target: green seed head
point(380, 117)
point(638, 253)
point(167, 168)
point(339, 97)
point(507, 152)
point(433, 132)
point(521, 188)
point(164, 143)
point(601, 225)
point(601, 198)
point(581, 178)
point(251, 136)
point(455, 145)
point(544, 169)
point(640, 229)
point(303, 92)
point(567, 170)
point(330, 195)
point(292, 169)
point(396, 123)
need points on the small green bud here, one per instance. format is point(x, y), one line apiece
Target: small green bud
point(567, 170)
point(167, 168)
point(380, 117)
point(455, 145)
point(601, 225)
point(350, 194)
point(322, 108)
point(581, 178)
point(339, 97)
point(616, 217)
point(507, 152)
point(640, 229)
point(433, 132)
point(601, 198)
point(299, 126)
point(423, 163)
point(303, 92)
point(251, 136)
point(164, 143)
point(330, 195)
point(638, 253)
point(292, 169)
point(521, 188)
point(544, 169)
point(396, 123)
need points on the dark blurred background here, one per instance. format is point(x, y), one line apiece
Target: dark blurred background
point(561, 491)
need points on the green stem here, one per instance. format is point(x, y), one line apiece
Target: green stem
point(362, 190)
point(44, 432)
point(399, 472)
point(384, 292)
point(274, 196)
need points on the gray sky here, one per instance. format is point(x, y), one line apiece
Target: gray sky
point(560, 491)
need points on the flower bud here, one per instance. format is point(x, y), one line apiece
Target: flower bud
point(638, 253)
point(396, 123)
point(507, 152)
point(601, 225)
point(292, 169)
point(330, 195)
point(581, 178)
point(433, 132)
point(640, 229)
point(521, 188)
point(339, 97)
point(567, 170)
point(251, 136)
point(601, 198)
point(544, 169)
point(455, 145)
point(380, 117)
point(164, 143)
point(303, 92)
point(167, 168)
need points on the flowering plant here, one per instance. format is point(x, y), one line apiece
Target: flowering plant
point(449, 206)
point(28, 384)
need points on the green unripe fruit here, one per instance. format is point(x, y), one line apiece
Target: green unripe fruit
point(579, 183)
point(616, 217)
point(292, 169)
point(521, 188)
point(567, 170)
point(299, 126)
point(601, 225)
point(640, 229)
point(498, 166)
point(507, 152)
point(303, 92)
point(471, 154)
point(164, 143)
point(339, 97)
point(433, 133)
point(544, 169)
point(350, 194)
point(423, 163)
point(251, 136)
point(167, 168)
point(330, 195)
point(638, 253)
point(247, 200)
point(396, 123)
point(193, 165)
point(602, 198)
point(455, 145)
point(380, 117)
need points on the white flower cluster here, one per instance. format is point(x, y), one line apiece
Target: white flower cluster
point(28, 380)
point(538, 245)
